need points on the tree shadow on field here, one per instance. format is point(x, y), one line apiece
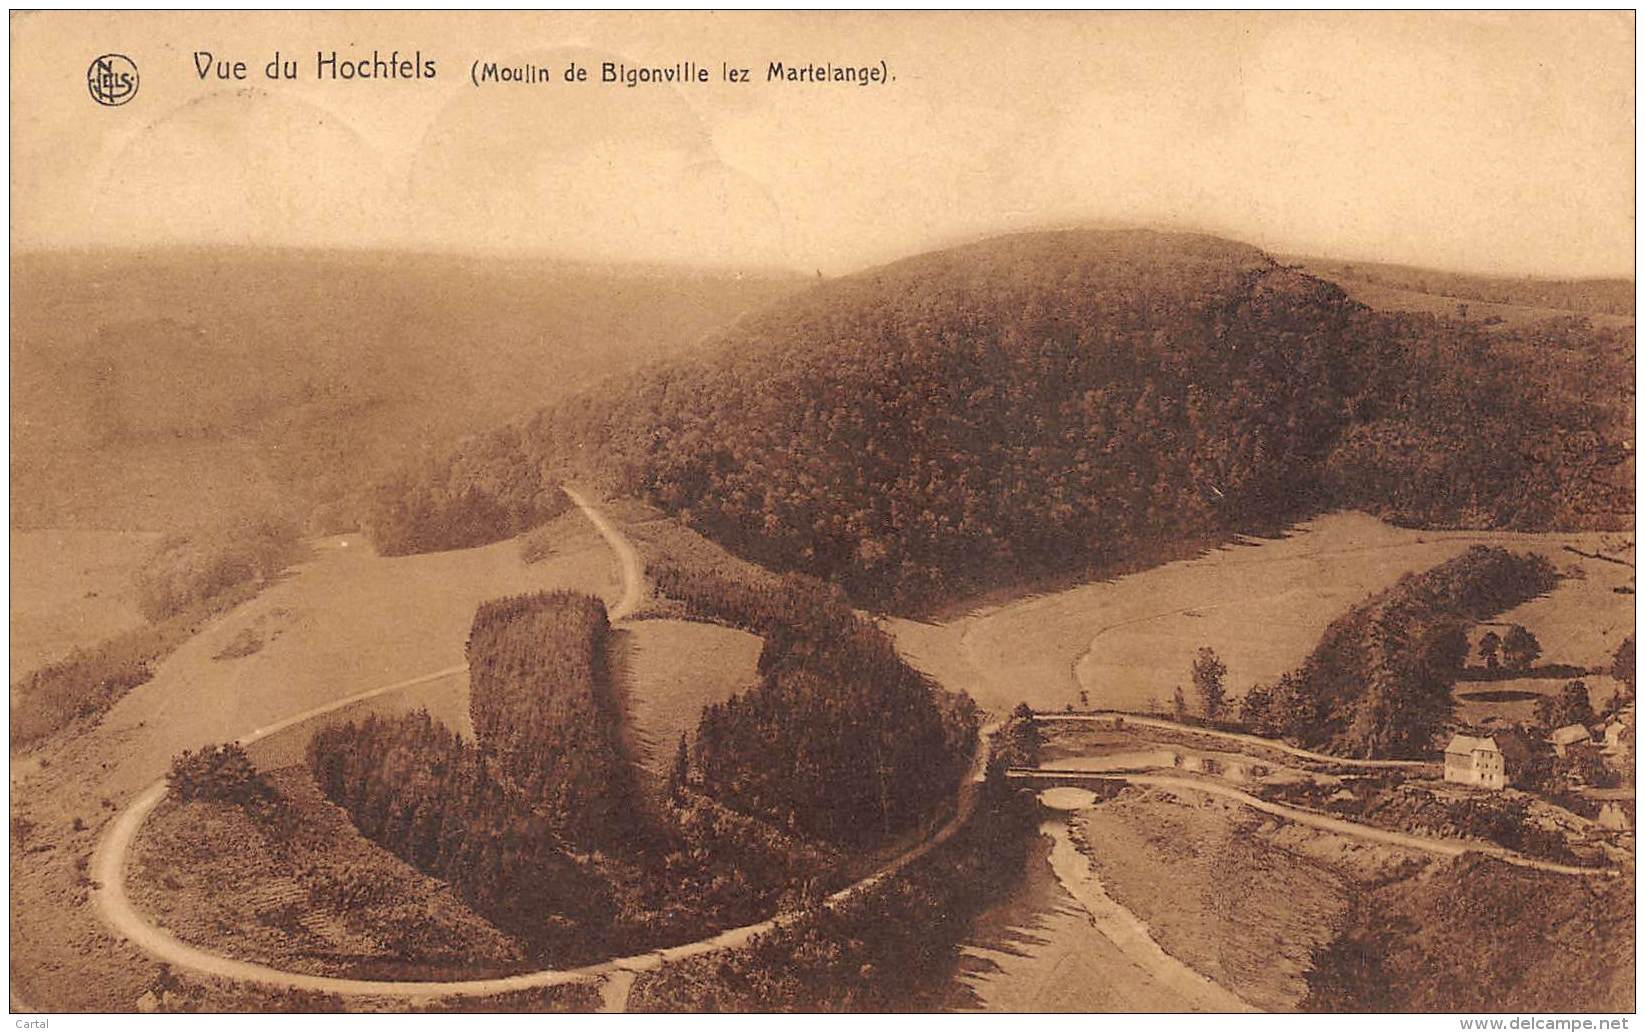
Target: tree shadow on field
point(1550, 671)
point(1019, 926)
point(638, 749)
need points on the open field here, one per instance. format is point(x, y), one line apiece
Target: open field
point(674, 669)
point(1578, 626)
point(1262, 604)
point(1389, 298)
point(71, 588)
point(346, 620)
point(1402, 288)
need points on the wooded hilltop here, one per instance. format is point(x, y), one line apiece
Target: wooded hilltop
point(1072, 399)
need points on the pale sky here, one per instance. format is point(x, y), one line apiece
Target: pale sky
point(1486, 142)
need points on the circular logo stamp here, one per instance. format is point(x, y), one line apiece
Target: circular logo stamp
point(112, 80)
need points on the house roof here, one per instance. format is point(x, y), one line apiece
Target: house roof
point(1505, 743)
point(1469, 743)
point(1570, 734)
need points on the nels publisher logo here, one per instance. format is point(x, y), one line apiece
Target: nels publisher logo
point(112, 80)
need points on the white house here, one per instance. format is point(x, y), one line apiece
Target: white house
point(1475, 761)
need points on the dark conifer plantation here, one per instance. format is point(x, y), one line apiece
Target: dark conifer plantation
point(541, 701)
point(442, 805)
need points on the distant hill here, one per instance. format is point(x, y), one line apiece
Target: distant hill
point(1503, 298)
point(164, 387)
point(1072, 400)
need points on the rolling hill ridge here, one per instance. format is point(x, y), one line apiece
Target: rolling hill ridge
point(1057, 402)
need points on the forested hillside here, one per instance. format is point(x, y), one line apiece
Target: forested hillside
point(1455, 939)
point(1071, 400)
point(1379, 683)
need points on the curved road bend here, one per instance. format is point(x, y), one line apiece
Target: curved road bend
point(627, 557)
point(120, 915)
point(1314, 819)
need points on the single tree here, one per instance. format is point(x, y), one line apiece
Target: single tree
point(1545, 710)
point(1488, 646)
point(1569, 707)
point(1520, 648)
point(1574, 708)
point(680, 771)
point(1622, 664)
point(1209, 671)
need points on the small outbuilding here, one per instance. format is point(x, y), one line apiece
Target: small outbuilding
point(1568, 736)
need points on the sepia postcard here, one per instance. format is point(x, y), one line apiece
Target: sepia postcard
point(812, 512)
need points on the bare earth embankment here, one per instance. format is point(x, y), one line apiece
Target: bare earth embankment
point(1164, 901)
point(1215, 894)
point(1040, 951)
point(304, 891)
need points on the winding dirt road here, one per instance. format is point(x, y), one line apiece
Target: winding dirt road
point(1313, 819)
point(118, 912)
point(633, 570)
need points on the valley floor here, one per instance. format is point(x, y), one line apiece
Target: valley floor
point(1261, 603)
point(1153, 900)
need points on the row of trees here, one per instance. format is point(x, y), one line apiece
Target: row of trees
point(1379, 683)
point(1518, 648)
point(841, 739)
point(541, 702)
